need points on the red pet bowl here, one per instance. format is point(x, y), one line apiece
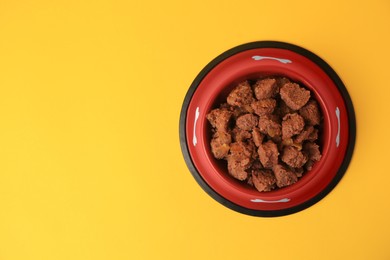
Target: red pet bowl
point(252, 61)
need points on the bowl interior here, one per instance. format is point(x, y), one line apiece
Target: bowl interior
point(221, 165)
point(213, 88)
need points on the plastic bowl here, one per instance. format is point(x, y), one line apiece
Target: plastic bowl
point(251, 61)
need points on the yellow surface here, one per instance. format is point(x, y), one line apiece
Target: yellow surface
point(90, 162)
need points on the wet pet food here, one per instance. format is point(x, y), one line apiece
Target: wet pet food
point(267, 132)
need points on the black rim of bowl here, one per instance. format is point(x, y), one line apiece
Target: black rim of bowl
point(333, 76)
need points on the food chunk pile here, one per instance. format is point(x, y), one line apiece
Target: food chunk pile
point(267, 132)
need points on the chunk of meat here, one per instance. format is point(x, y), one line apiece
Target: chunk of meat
point(269, 127)
point(309, 133)
point(294, 96)
point(311, 113)
point(292, 125)
point(219, 118)
point(240, 135)
point(313, 151)
point(265, 88)
point(220, 144)
point(237, 170)
point(241, 95)
point(264, 106)
point(239, 160)
point(314, 154)
point(284, 177)
point(268, 154)
point(241, 151)
point(263, 180)
point(257, 136)
point(293, 157)
point(247, 121)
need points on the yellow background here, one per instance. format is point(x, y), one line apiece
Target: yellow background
point(90, 161)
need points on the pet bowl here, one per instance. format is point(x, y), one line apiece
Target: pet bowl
point(251, 61)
